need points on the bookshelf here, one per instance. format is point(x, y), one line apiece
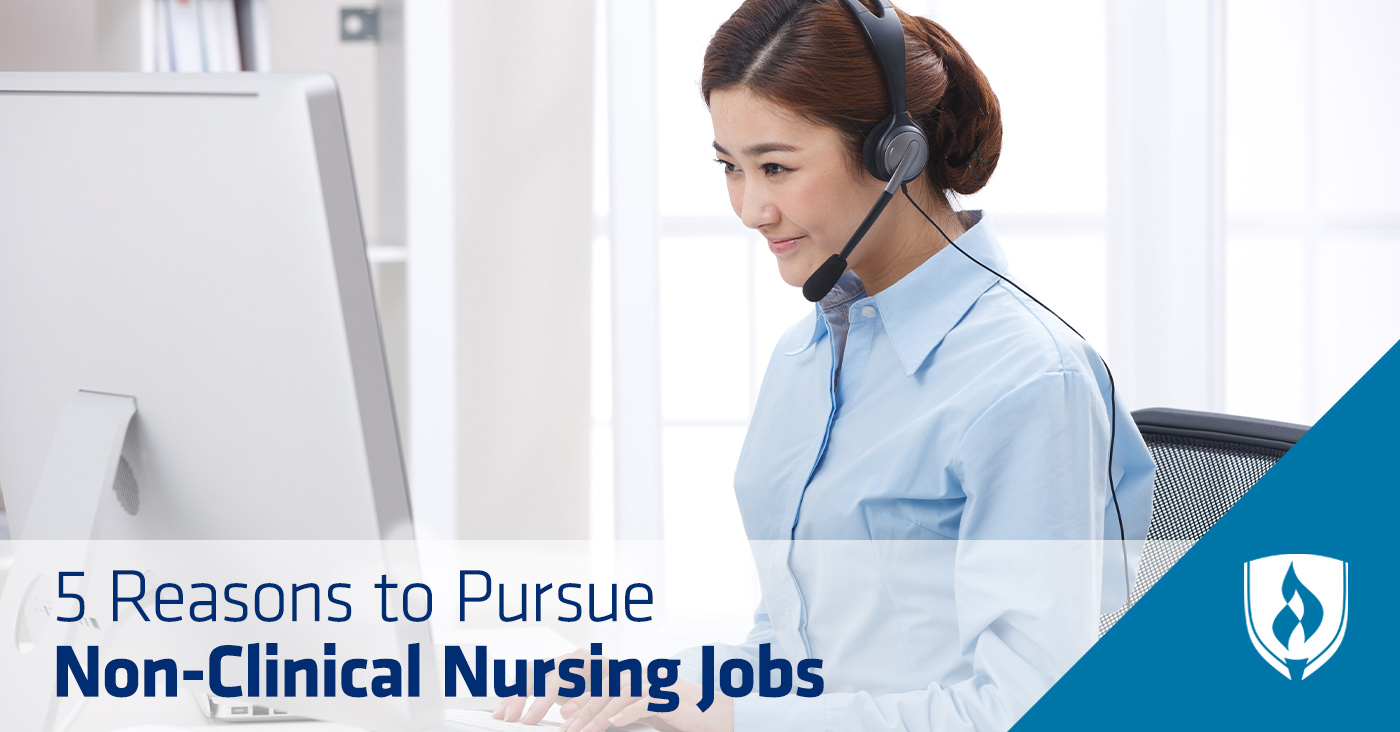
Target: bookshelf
point(183, 35)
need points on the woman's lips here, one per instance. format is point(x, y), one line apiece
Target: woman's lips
point(782, 246)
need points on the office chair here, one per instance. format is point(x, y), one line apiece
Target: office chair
point(1205, 462)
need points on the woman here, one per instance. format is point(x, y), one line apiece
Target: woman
point(925, 478)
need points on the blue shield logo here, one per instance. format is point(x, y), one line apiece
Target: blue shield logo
point(1295, 608)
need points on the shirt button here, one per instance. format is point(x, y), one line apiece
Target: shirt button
point(868, 311)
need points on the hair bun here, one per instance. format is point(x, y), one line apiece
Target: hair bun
point(964, 125)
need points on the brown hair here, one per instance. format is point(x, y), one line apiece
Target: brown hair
point(811, 57)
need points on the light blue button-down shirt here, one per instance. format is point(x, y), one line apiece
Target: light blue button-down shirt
point(924, 483)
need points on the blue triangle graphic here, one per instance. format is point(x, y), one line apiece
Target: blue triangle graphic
point(1182, 659)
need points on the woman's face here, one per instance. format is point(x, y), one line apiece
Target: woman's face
point(788, 178)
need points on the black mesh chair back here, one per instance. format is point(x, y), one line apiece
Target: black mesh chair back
point(1205, 462)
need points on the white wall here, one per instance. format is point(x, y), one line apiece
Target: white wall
point(523, 151)
point(306, 37)
point(48, 35)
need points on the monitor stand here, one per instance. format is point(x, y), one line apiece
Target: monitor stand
point(76, 479)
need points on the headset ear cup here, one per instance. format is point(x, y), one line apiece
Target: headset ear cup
point(872, 152)
point(900, 138)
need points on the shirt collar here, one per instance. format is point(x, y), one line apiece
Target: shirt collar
point(920, 309)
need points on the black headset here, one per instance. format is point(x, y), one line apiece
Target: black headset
point(898, 133)
point(896, 151)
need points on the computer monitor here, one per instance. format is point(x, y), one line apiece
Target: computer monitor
point(194, 242)
point(189, 347)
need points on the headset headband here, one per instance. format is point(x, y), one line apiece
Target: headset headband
point(886, 35)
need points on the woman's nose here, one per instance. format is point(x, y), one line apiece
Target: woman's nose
point(758, 213)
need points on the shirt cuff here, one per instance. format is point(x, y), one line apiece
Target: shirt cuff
point(754, 713)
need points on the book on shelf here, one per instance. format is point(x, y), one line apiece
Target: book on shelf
point(184, 35)
point(255, 43)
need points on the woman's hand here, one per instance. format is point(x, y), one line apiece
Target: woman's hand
point(595, 714)
point(510, 709)
point(578, 712)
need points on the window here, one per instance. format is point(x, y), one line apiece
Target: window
point(1313, 201)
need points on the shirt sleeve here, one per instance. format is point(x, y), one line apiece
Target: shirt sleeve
point(1028, 570)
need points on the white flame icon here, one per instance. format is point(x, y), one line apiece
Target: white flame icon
point(1296, 610)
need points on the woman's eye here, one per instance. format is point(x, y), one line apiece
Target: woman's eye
point(769, 168)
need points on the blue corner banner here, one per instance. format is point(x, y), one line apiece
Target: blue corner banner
point(1187, 656)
